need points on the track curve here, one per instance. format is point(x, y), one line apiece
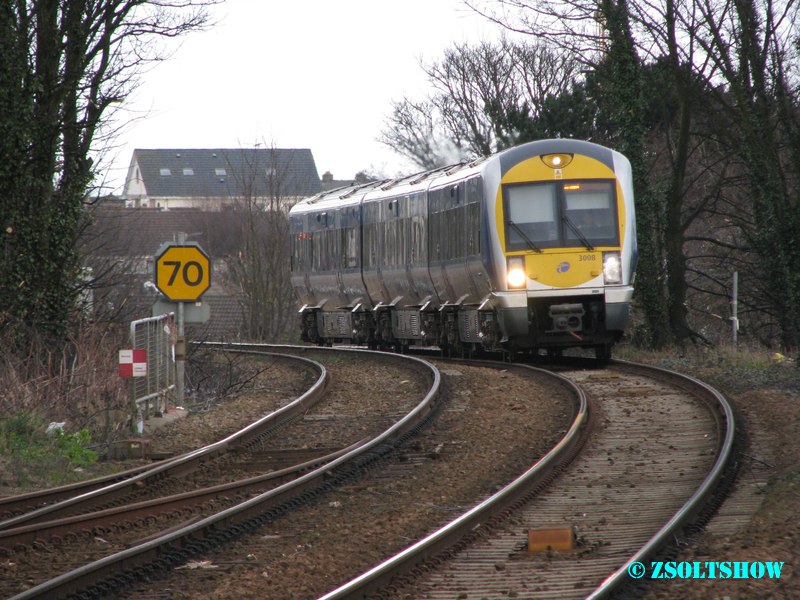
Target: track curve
point(636, 483)
point(220, 527)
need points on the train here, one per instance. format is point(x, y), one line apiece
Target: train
point(529, 250)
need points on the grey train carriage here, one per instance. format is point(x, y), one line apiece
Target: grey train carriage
point(531, 248)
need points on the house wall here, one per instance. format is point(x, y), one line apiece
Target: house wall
point(134, 184)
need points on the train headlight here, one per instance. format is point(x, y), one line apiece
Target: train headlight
point(612, 268)
point(556, 161)
point(515, 274)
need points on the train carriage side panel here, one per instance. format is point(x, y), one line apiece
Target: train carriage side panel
point(405, 265)
point(354, 291)
point(326, 264)
point(301, 251)
point(396, 268)
point(396, 286)
point(373, 242)
point(456, 243)
point(444, 235)
point(326, 255)
point(477, 241)
point(417, 249)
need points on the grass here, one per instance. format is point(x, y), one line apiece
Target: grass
point(29, 454)
point(728, 368)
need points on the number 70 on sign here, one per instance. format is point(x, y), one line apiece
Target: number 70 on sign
point(183, 272)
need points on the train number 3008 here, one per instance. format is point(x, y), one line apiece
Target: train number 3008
point(586, 257)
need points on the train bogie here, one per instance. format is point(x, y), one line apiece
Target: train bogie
point(531, 248)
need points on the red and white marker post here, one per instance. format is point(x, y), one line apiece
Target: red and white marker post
point(133, 363)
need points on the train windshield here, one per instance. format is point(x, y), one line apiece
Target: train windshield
point(562, 213)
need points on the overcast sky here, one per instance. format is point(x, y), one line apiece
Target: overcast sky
point(311, 74)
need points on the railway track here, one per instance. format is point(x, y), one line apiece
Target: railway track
point(659, 444)
point(479, 440)
point(338, 418)
point(48, 504)
point(589, 497)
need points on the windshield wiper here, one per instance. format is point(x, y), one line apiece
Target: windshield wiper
point(578, 232)
point(528, 240)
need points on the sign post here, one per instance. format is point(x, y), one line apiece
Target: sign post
point(183, 274)
point(133, 363)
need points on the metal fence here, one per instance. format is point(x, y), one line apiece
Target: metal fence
point(157, 335)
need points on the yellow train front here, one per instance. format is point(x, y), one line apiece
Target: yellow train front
point(562, 217)
point(531, 248)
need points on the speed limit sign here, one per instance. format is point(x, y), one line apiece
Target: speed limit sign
point(183, 272)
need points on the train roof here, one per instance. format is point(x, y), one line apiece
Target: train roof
point(356, 193)
point(408, 184)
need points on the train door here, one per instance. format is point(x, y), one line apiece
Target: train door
point(462, 239)
point(372, 243)
point(351, 278)
point(411, 206)
point(476, 270)
point(439, 243)
point(339, 243)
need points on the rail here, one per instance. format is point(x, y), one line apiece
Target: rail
point(725, 422)
point(472, 520)
point(172, 547)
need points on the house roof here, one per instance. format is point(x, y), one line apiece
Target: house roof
point(221, 172)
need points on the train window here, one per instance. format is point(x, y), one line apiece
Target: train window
point(589, 207)
point(400, 254)
point(473, 229)
point(368, 243)
point(318, 252)
point(437, 226)
point(474, 191)
point(560, 214)
point(372, 234)
point(447, 224)
point(324, 250)
point(531, 215)
point(456, 225)
point(418, 237)
point(389, 243)
point(349, 247)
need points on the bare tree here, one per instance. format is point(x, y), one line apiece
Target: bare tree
point(261, 269)
point(415, 131)
point(482, 97)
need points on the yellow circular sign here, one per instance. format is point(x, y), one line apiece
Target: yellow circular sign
point(183, 272)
